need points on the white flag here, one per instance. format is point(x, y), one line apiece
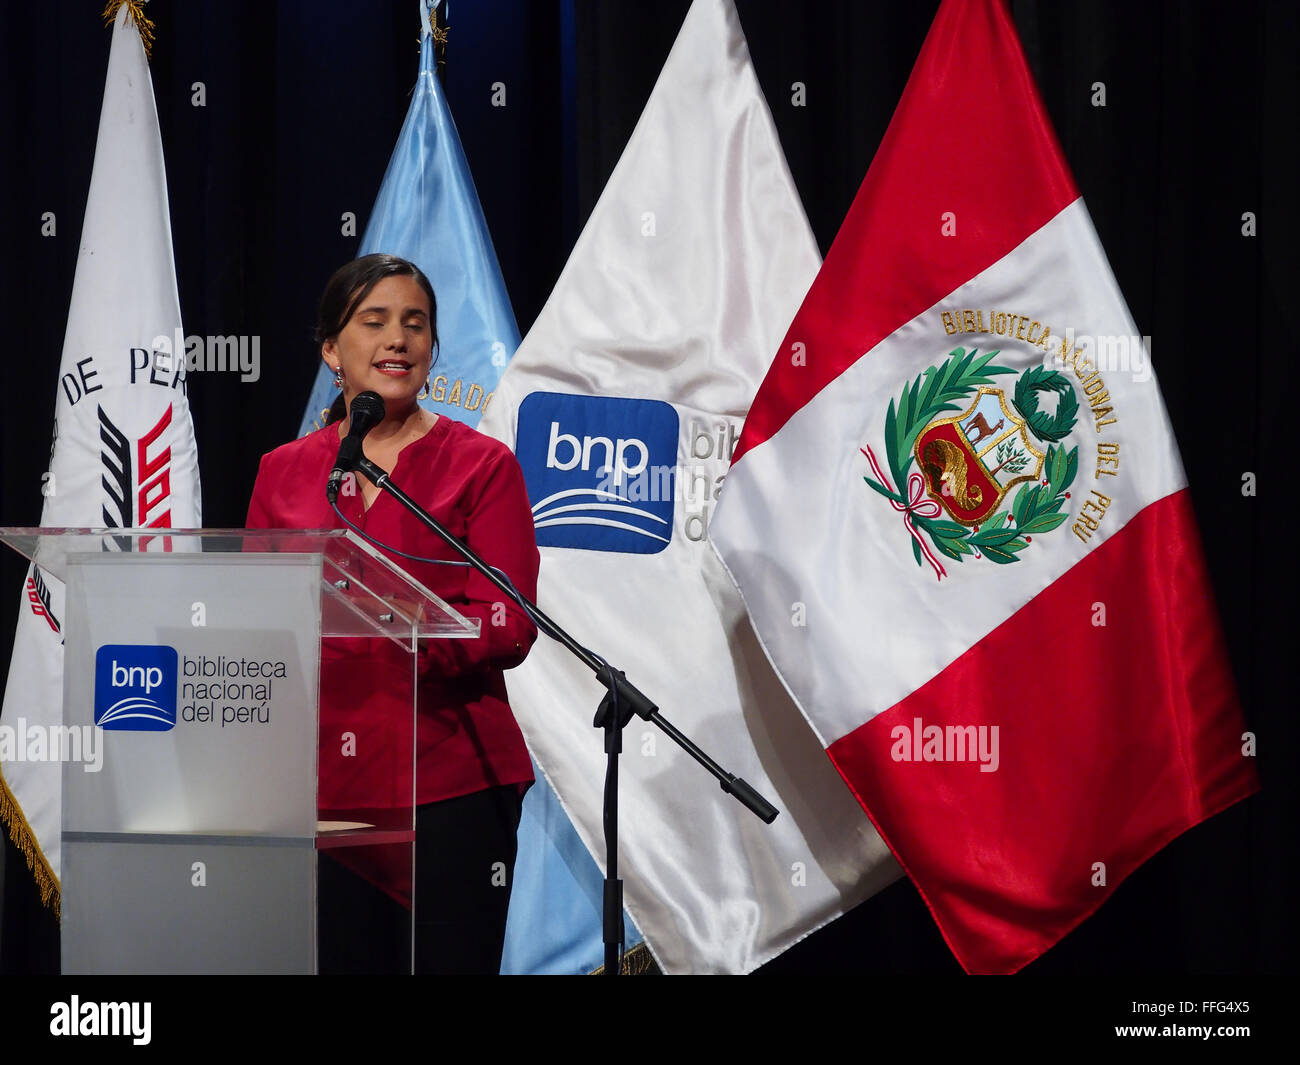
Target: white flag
point(623, 404)
point(124, 451)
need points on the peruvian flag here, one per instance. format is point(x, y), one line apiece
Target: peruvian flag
point(961, 527)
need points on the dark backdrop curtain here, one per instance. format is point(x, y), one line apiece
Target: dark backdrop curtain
point(303, 104)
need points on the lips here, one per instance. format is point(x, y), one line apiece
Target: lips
point(395, 367)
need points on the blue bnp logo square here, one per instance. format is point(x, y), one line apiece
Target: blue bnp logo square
point(135, 687)
point(601, 472)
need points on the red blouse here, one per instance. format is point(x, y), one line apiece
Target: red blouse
point(466, 735)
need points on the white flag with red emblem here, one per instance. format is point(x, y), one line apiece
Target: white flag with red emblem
point(124, 453)
point(961, 527)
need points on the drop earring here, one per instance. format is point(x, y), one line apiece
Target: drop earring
point(338, 378)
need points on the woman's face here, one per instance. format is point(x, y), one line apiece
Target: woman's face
point(386, 346)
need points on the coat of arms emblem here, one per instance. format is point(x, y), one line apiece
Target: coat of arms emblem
point(968, 463)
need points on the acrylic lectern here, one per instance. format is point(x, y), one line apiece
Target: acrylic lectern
point(195, 660)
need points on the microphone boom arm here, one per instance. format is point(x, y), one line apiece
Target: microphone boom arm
point(622, 700)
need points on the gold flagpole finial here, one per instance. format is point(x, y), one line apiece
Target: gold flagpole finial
point(135, 9)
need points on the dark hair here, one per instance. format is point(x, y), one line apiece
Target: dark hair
point(352, 282)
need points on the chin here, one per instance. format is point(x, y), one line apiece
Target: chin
point(396, 391)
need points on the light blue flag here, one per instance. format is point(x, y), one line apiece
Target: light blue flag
point(428, 212)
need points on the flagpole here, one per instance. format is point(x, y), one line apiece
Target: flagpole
point(621, 701)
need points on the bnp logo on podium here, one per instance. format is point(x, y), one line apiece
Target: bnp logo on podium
point(135, 687)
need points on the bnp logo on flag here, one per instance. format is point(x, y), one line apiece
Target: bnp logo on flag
point(969, 463)
point(600, 471)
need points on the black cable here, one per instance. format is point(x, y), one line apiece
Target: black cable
point(523, 603)
point(414, 558)
point(606, 674)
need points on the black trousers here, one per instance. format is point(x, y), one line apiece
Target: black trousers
point(464, 869)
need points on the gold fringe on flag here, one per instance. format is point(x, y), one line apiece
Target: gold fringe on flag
point(636, 962)
point(439, 33)
point(135, 9)
point(25, 840)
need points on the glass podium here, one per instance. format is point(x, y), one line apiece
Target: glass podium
point(207, 783)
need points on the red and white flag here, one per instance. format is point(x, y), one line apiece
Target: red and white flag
point(961, 526)
point(124, 452)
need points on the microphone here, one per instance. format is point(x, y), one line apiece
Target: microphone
point(367, 412)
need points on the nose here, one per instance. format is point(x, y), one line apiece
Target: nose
point(395, 337)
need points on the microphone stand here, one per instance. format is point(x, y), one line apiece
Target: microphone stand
point(621, 701)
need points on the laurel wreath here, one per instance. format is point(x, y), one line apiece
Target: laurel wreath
point(1037, 508)
point(1052, 427)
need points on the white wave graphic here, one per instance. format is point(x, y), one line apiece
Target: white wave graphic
point(131, 707)
point(606, 522)
point(544, 514)
point(568, 493)
point(599, 506)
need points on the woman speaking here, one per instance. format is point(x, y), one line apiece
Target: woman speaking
point(377, 332)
